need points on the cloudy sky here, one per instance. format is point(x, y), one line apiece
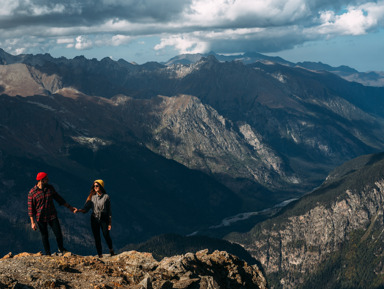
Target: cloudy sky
point(336, 32)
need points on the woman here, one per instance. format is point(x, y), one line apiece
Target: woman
point(101, 217)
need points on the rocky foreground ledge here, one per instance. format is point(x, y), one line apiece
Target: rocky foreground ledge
point(130, 270)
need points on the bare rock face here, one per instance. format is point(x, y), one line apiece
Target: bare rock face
point(21, 79)
point(129, 270)
point(327, 225)
point(196, 135)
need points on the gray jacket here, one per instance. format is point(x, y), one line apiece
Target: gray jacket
point(100, 205)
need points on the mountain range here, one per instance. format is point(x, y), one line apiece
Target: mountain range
point(370, 78)
point(181, 145)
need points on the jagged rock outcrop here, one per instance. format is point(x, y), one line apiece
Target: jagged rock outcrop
point(217, 270)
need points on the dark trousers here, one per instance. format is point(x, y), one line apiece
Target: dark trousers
point(55, 226)
point(102, 224)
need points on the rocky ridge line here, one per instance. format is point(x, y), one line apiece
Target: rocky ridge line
point(297, 244)
point(132, 269)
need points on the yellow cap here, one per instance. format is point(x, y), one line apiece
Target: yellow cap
point(101, 182)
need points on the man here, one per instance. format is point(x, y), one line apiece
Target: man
point(41, 207)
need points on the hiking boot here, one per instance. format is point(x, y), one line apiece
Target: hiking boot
point(112, 252)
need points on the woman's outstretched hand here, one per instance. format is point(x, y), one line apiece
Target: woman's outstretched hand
point(78, 210)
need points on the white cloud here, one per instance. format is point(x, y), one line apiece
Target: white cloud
point(118, 40)
point(82, 43)
point(65, 41)
point(46, 10)
point(70, 42)
point(183, 44)
point(232, 34)
point(19, 51)
point(27, 43)
point(355, 21)
point(254, 12)
point(8, 7)
point(189, 26)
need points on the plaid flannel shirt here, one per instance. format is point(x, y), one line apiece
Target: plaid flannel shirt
point(40, 203)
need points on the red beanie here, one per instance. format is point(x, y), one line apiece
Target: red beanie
point(41, 176)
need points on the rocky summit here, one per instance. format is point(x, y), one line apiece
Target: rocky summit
point(130, 269)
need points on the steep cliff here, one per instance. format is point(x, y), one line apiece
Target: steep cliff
point(331, 238)
point(217, 270)
point(194, 134)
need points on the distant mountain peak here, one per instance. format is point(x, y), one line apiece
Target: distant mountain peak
point(346, 72)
